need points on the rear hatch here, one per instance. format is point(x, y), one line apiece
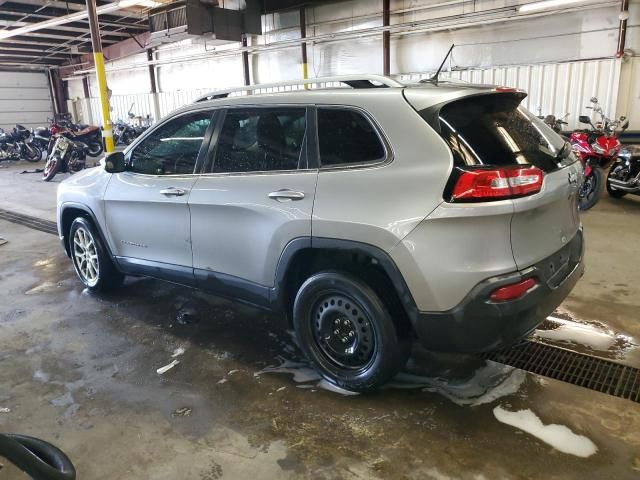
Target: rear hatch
point(490, 132)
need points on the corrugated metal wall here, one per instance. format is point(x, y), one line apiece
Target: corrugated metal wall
point(554, 88)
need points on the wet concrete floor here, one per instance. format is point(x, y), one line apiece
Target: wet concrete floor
point(79, 370)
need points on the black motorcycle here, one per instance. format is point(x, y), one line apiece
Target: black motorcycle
point(18, 144)
point(624, 175)
point(67, 156)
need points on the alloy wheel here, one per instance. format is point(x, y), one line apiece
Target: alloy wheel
point(85, 256)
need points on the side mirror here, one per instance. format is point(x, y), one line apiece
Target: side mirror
point(625, 124)
point(115, 162)
point(584, 119)
point(594, 100)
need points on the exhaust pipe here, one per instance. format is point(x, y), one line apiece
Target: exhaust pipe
point(632, 186)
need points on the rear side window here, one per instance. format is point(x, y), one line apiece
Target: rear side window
point(494, 130)
point(346, 137)
point(261, 139)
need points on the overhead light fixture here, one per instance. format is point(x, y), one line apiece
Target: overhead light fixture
point(546, 4)
point(54, 22)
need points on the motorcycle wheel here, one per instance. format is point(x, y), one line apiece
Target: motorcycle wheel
point(95, 148)
point(51, 168)
point(32, 153)
point(590, 192)
point(611, 191)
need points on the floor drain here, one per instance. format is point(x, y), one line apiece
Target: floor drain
point(35, 223)
point(577, 368)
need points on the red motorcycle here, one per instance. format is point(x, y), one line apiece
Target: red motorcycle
point(597, 149)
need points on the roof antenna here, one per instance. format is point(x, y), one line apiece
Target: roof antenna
point(434, 78)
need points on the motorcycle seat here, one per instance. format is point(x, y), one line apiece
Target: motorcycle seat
point(85, 131)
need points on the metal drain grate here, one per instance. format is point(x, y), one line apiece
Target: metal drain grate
point(45, 226)
point(572, 367)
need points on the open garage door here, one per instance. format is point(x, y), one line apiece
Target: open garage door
point(24, 99)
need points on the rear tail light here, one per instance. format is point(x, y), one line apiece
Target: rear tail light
point(496, 184)
point(513, 291)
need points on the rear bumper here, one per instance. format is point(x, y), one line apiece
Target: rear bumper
point(478, 324)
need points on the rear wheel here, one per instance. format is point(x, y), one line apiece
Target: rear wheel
point(95, 148)
point(91, 260)
point(591, 189)
point(346, 331)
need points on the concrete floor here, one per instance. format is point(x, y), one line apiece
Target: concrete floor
point(80, 370)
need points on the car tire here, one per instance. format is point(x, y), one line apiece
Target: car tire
point(347, 332)
point(91, 260)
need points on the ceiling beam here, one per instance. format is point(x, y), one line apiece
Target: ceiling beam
point(62, 28)
point(28, 55)
point(34, 17)
point(64, 7)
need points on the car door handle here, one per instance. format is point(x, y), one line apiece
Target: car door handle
point(285, 194)
point(173, 192)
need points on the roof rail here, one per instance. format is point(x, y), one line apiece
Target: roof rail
point(354, 81)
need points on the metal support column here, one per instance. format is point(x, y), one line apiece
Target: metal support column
point(386, 39)
point(87, 101)
point(154, 86)
point(303, 45)
point(98, 60)
point(622, 28)
point(245, 61)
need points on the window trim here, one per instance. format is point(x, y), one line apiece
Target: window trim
point(214, 115)
point(209, 161)
point(386, 145)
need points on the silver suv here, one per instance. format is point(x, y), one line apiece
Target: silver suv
point(369, 216)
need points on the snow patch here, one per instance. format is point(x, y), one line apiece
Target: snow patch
point(558, 436)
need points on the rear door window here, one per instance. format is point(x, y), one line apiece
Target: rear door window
point(260, 140)
point(494, 130)
point(347, 137)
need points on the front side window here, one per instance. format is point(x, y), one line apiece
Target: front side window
point(172, 149)
point(347, 137)
point(261, 139)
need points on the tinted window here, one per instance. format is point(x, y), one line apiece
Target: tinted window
point(347, 137)
point(261, 139)
point(172, 148)
point(495, 130)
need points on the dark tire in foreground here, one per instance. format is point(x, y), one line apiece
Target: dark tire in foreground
point(346, 331)
point(90, 258)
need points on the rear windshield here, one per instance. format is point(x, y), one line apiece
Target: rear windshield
point(494, 130)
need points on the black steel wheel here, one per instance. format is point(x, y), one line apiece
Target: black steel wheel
point(346, 331)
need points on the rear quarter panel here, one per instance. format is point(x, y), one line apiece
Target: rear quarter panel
point(379, 205)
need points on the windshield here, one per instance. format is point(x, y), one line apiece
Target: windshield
point(494, 130)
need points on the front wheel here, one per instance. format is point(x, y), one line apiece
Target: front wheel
point(346, 331)
point(32, 153)
point(51, 168)
point(91, 260)
point(591, 189)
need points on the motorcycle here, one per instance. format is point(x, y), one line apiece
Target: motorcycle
point(123, 133)
point(554, 122)
point(67, 156)
point(624, 176)
point(18, 144)
point(597, 149)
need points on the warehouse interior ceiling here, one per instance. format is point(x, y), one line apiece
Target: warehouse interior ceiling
point(64, 43)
